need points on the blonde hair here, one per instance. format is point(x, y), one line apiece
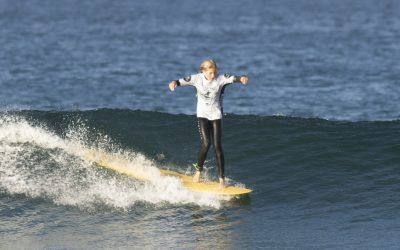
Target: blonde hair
point(208, 64)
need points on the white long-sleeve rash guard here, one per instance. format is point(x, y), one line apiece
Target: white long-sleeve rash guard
point(209, 93)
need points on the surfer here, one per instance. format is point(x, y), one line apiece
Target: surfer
point(210, 89)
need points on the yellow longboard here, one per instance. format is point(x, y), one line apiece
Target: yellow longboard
point(122, 166)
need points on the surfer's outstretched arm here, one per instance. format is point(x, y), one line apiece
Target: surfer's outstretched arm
point(186, 81)
point(243, 79)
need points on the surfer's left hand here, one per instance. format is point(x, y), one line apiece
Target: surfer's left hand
point(244, 79)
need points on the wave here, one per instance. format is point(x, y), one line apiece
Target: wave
point(284, 159)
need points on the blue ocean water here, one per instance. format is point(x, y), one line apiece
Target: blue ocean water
point(315, 133)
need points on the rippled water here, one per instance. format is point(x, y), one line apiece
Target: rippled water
point(334, 60)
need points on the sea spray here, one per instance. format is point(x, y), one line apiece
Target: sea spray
point(40, 164)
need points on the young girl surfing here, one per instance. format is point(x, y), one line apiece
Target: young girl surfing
point(210, 88)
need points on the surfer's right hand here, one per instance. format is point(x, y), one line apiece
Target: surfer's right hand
point(172, 85)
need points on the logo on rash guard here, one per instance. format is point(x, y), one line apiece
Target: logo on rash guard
point(227, 75)
point(187, 79)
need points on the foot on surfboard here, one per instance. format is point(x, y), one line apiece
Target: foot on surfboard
point(221, 183)
point(196, 177)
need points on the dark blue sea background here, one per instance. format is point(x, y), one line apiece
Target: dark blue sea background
point(315, 133)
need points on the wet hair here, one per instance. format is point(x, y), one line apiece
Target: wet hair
point(208, 64)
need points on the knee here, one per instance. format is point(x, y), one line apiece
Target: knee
point(205, 145)
point(217, 147)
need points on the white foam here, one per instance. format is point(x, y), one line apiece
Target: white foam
point(74, 180)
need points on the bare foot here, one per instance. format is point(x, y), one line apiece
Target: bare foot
point(221, 183)
point(196, 177)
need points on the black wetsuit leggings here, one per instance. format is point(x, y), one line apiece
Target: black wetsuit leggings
point(210, 130)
